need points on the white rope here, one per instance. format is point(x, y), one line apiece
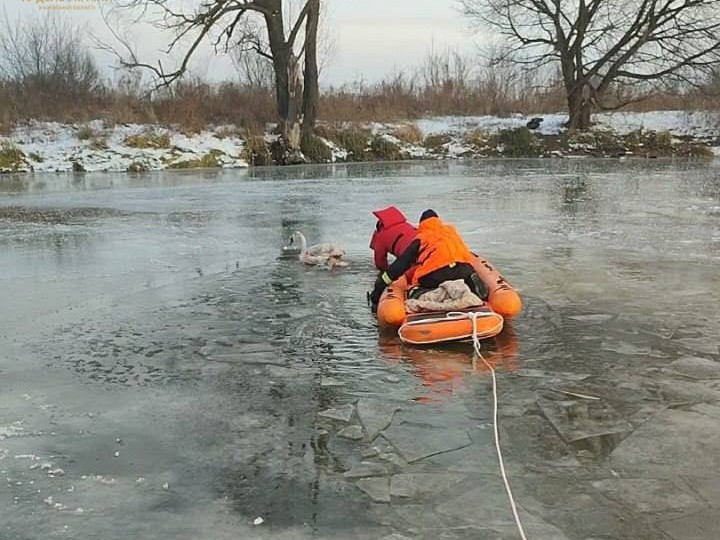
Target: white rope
point(476, 345)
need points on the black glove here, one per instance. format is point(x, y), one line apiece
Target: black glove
point(380, 284)
point(375, 297)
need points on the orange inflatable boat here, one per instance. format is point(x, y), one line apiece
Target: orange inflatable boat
point(426, 328)
point(503, 299)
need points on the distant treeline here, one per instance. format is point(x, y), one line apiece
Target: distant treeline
point(48, 73)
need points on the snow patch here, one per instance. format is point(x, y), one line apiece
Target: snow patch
point(56, 147)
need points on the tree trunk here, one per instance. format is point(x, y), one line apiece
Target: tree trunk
point(287, 88)
point(292, 126)
point(579, 110)
point(282, 91)
point(311, 90)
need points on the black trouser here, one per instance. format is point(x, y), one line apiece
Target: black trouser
point(464, 271)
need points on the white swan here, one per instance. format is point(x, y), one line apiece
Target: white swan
point(325, 254)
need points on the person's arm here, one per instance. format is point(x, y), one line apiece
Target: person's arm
point(401, 265)
point(406, 259)
point(381, 257)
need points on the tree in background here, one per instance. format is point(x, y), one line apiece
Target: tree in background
point(609, 52)
point(284, 32)
point(45, 67)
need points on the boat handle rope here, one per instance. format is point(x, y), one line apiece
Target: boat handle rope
point(476, 345)
point(452, 316)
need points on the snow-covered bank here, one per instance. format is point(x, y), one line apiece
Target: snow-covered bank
point(49, 146)
point(614, 134)
point(55, 147)
point(702, 125)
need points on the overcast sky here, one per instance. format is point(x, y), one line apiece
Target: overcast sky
point(375, 37)
point(370, 38)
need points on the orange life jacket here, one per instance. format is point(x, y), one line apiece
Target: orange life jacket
point(440, 246)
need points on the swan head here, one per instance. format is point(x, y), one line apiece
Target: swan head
point(296, 237)
point(297, 243)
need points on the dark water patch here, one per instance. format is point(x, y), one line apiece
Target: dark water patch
point(57, 216)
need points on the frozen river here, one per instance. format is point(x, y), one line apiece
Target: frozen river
point(165, 375)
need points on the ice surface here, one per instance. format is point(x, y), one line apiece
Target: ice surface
point(214, 382)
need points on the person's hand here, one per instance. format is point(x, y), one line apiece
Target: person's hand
point(382, 281)
point(375, 298)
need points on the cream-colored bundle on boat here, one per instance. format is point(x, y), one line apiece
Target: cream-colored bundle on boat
point(449, 296)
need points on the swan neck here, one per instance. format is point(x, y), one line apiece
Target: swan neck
point(303, 245)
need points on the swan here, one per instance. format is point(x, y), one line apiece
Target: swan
point(325, 254)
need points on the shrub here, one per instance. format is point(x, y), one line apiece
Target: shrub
point(137, 166)
point(408, 133)
point(385, 150)
point(436, 143)
point(354, 141)
point(211, 160)
point(12, 159)
point(694, 150)
point(99, 143)
point(518, 142)
point(148, 139)
point(256, 151)
point(653, 143)
point(225, 132)
point(477, 138)
point(84, 133)
point(662, 138)
point(317, 151)
point(598, 142)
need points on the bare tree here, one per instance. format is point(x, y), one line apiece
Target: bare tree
point(270, 29)
point(254, 71)
point(610, 52)
point(47, 55)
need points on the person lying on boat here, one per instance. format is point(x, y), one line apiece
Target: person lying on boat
point(393, 234)
point(439, 254)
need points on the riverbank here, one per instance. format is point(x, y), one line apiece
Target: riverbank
point(99, 146)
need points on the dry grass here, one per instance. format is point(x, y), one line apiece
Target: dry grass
point(225, 132)
point(318, 151)
point(256, 150)
point(477, 138)
point(99, 142)
point(85, 133)
point(353, 139)
point(381, 149)
point(211, 160)
point(437, 143)
point(11, 158)
point(408, 133)
point(148, 139)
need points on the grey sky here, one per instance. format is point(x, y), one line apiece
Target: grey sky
point(375, 37)
point(371, 38)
